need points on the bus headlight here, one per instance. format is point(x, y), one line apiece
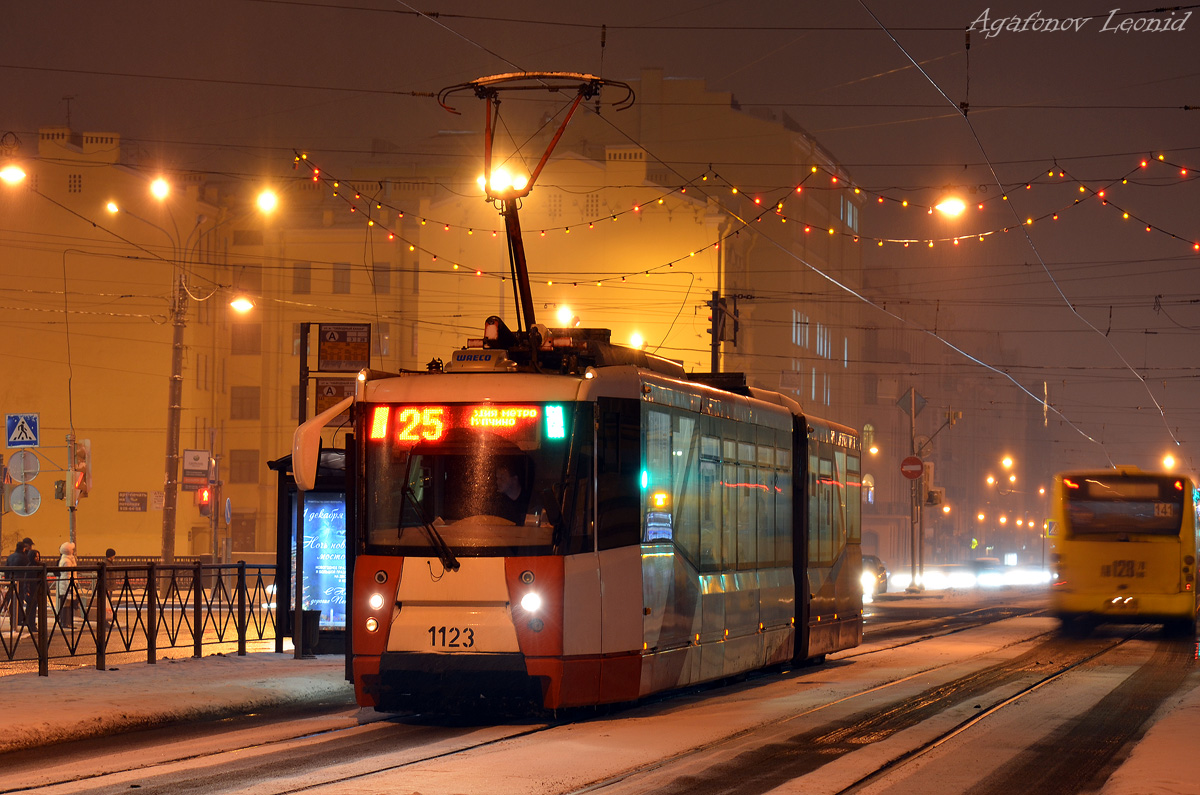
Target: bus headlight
point(376, 601)
point(531, 602)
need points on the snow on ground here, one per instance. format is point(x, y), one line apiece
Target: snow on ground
point(84, 702)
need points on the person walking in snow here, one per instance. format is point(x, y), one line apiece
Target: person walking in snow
point(66, 588)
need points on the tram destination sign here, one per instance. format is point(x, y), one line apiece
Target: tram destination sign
point(343, 347)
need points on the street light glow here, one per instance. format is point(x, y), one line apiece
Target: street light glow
point(160, 189)
point(268, 201)
point(12, 174)
point(502, 182)
point(952, 206)
point(242, 304)
point(1168, 461)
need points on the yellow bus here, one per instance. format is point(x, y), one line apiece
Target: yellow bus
point(1124, 549)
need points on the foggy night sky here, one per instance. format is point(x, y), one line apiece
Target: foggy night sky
point(239, 84)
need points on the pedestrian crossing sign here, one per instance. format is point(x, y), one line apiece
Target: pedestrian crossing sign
point(22, 430)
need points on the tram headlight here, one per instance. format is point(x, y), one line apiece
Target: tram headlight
point(376, 601)
point(372, 625)
point(531, 602)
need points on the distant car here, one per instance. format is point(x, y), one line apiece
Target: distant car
point(874, 575)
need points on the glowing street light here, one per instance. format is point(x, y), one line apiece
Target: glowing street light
point(1168, 462)
point(267, 201)
point(160, 189)
point(12, 174)
point(242, 304)
point(952, 206)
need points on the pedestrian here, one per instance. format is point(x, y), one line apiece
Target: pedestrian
point(14, 587)
point(112, 584)
point(66, 587)
point(29, 585)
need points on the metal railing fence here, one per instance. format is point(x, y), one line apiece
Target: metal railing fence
point(51, 612)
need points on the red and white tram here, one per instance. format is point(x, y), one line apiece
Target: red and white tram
point(557, 521)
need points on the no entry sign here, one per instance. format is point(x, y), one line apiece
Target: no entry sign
point(912, 467)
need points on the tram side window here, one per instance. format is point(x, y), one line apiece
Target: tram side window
point(765, 504)
point(729, 515)
point(784, 477)
point(840, 503)
point(685, 485)
point(618, 472)
point(814, 503)
point(710, 504)
point(821, 529)
point(656, 478)
point(577, 501)
point(854, 500)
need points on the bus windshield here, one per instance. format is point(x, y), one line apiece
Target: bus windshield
point(1124, 504)
point(484, 479)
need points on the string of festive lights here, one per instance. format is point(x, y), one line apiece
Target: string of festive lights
point(379, 213)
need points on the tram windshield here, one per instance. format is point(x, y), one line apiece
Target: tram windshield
point(1123, 504)
point(479, 478)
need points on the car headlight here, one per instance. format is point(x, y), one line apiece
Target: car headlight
point(868, 582)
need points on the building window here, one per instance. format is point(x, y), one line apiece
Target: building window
point(245, 338)
point(341, 278)
point(381, 339)
point(381, 273)
point(74, 183)
point(243, 466)
point(243, 529)
point(244, 403)
point(295, 403)
point(301, 278)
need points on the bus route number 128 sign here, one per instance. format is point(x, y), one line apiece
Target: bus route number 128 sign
point(912, 467)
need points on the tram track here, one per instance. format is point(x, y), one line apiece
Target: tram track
point(766, 756)
point(323, 760)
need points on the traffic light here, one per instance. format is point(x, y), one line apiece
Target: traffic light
point(81, 466)
point(204, 500)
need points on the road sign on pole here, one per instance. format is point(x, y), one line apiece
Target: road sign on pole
point(912, 467)
point(22, 430)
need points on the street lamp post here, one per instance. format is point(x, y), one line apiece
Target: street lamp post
point(179, 297)
point(174, 401)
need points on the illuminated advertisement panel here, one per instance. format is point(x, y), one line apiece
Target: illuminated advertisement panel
point(324, 557)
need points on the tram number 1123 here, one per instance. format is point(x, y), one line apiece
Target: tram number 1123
point(451, 637)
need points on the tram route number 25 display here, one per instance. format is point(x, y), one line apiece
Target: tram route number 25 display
point(451, 637)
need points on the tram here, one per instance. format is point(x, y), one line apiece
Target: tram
point(560, 521)
point(1124, 549)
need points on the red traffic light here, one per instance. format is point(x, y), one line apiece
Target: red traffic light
point(204, 500)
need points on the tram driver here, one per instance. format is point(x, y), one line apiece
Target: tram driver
point(510, 502)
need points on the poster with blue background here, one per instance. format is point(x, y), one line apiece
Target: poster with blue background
point(324, 556)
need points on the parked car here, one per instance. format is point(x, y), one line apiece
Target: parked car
point(874, 575)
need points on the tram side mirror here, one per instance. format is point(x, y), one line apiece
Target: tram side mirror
point(306, 445)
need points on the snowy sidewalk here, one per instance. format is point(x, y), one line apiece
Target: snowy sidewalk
point(84, 702)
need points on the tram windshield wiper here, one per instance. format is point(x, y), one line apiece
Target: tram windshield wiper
point(449, 561)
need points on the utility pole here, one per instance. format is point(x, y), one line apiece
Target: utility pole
point(174, 399)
